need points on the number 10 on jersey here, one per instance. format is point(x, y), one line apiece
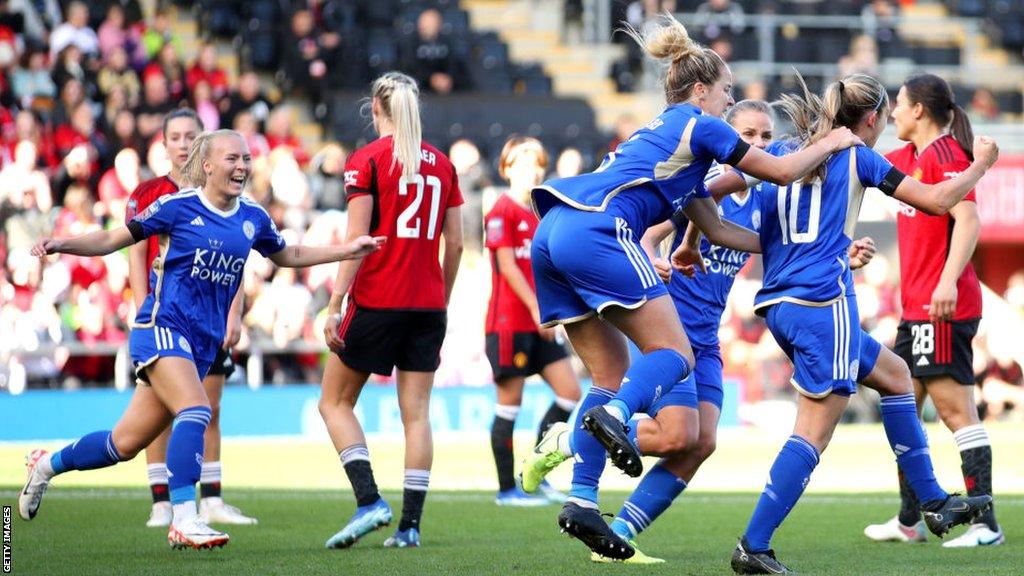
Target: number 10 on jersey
point(409, 220)
point(789, 208)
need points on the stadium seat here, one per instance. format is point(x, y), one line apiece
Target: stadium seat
point(383, 53)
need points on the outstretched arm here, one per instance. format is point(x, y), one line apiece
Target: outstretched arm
point(99, 243)
point(300, 256)
point(704, 213)
point(940, 198)
point(784, 170)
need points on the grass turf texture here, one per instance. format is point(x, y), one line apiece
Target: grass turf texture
point(80, 531)
point(93, 522)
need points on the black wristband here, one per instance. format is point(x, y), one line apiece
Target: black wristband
point(737, 153)
point(892, 181)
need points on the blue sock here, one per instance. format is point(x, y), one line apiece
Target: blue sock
point(590, 455)
point(786, 482)
point(650, 376)
point(92, 451)
point(652, 496)
point(185, 452)
point(908, 442)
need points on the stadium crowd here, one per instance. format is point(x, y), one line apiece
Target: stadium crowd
point(83, 96)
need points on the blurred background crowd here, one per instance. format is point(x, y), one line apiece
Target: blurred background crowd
point(84, 86)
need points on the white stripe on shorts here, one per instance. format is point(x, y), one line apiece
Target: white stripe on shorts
point(841, 340)
point(639, 261)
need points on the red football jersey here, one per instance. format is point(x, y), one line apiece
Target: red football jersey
point(406, 274)
point(145, 194)
point(509, 225)
point(924, 240)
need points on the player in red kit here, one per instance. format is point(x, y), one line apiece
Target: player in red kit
point(407, 190)
point(517, 346)
point(941, 298)
point(180, 128)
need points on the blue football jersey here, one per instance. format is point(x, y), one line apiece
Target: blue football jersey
point(701, 300)
point(654, 173)
point(807, 229)
point(202, 253)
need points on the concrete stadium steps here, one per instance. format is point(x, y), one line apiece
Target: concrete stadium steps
point(533, 33)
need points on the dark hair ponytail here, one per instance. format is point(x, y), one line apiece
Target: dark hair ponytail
point(935, 95)
point(961, 131)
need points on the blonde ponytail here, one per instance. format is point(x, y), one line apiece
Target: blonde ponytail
point(844, 104)
point(192, 171)
point(399, 99)
point(687, 61)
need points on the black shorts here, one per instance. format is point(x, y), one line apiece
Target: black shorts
point(933, 350)
point(378, 341)
point(222, 365)
point(521, 353)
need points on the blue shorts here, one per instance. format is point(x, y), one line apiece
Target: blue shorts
point(869, 351)
point(704, 384)
point(823, 342)
point(146, 345)
point(584, 262)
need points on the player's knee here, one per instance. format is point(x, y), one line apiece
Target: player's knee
point(680, 440)
point(705, 447)
point(128, 447)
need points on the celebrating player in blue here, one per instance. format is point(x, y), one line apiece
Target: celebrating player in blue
point(593, 277)
point(809, 305)
point(206, 234)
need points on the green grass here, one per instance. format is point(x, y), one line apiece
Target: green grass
point(93, 522)
point(86, 532)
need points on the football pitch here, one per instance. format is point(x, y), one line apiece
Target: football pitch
point(93, 523)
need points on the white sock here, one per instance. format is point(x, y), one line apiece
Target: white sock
point(971, 437)
point(565, 403)
point(506, 412)
point(157, 473)
point(582, 503)
point(184, 512)
point(616, 412)
point(563, 443)
point(210, 473)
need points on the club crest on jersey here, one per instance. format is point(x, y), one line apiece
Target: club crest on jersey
point(132, 208)
point(249, 229)
point(495, 230)
point(854, 368)
point(918, 173)
point(755, 220)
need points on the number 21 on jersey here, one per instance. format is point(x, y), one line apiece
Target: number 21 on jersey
point(409, 221)
point(789, 212)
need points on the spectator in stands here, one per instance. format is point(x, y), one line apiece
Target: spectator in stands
point(40, 16)
point(880, 16)
point(715, 18)
point(75, 169)
point(306, 53)
point(70, 65)
point(279, 133)
point(1015, 290)
point(206, 109)
point(31, 82)
point(75, 31)
point(123, 135)
point(117, 73)
point(473, 179)
point(755, 90)
point(27, 127)
point(247, 97)
point(1001, 383)
point(569, 163)
point(205, 69)
point(155, 105)
point(112, 32)
point(326, 182)
point(246, 125)
point(722, 45)
point(22, 177)
point(862, 59)
point(80, 130)
point(117, 183)
point(431, 59)
point(625, 125)
point(983, 107)
point(158, 34)
point(168, 65)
